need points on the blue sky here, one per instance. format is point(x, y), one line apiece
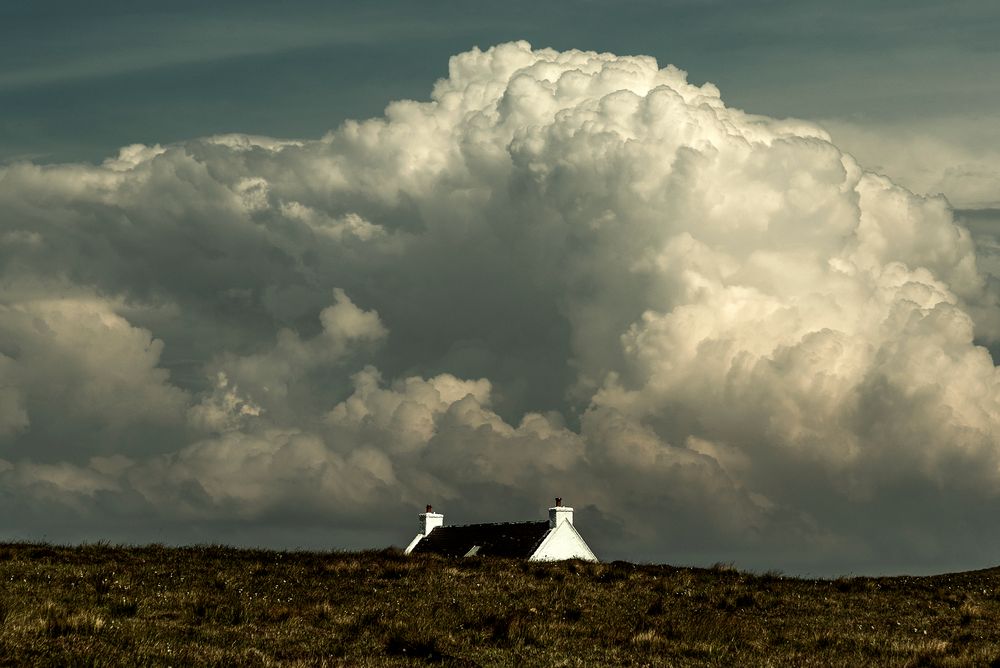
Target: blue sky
point(77, 80)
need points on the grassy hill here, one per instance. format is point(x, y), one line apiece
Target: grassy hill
point(104, 605)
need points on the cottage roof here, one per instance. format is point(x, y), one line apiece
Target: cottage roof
point(507, 539)
point(554, 540)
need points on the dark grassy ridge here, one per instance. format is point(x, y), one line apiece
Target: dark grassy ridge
point(103, 605)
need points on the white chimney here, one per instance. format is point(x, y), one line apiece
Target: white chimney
point(430, 520)
point(559, 513)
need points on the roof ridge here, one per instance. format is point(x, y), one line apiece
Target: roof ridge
point(492, 524)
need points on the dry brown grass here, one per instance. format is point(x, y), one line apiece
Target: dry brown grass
point(103, 605)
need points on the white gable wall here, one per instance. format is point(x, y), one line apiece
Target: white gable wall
point(428, 522)
point(563, 542)
point(413, 543)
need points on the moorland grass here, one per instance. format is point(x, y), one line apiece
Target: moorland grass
point(103, 605)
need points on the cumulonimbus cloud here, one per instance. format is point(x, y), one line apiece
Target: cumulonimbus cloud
point(567, 272)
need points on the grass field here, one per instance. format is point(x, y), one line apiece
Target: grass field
point(105, 605)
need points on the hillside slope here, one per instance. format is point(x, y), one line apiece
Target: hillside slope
point(104, 605)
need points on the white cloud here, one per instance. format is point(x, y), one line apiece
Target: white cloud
point(269, 378)
point(73, 358)
point(714, 332)
point(955, 156)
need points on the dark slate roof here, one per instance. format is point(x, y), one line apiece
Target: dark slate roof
point(510, 539)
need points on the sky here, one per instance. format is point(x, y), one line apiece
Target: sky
point(721, 275)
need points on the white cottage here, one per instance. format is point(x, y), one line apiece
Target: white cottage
point(554, 540)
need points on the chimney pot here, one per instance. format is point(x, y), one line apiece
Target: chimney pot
point(558, 500)
point(429, 509)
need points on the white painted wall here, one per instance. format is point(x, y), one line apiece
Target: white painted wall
point(563, 542)
point(428, 522)
point(413, 543)
point(560, 514)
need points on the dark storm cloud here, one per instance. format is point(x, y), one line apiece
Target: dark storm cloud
point(569, 273)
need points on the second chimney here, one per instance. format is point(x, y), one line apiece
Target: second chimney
point(559, 513)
